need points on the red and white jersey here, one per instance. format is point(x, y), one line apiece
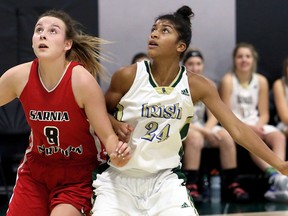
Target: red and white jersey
point(60, 130)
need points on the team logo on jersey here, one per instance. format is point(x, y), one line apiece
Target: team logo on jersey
point(57, 149)
point(185, 92)
point(161, 111)
point(164, 90)
point(185, 205)
point(244, 100)
point(37, 115)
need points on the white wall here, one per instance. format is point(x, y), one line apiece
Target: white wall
point(128, 23)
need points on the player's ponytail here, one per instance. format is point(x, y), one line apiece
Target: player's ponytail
point(87, 50)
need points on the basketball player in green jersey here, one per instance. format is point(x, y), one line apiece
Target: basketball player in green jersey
point(153, 106)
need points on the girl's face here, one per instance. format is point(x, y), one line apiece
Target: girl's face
point(244, 60)
point(163, 40)
point(49, 38)
point(195, 64)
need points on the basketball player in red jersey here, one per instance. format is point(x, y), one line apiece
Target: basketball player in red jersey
point(62, 102)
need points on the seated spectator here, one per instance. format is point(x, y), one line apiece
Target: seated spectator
point(246, 92)
point(280, 93)
point(207, 133)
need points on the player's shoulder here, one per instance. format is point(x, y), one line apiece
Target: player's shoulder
point(198, 79)
point(228, 76)
point(260, 76)
point(278, 82)
point(19, 70)
point(81, 77)
point(227, 79)
point(80, 71)
point(23, 66)
point(125, 74)
point(126, 71)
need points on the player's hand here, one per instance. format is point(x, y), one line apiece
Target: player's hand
point(123, 131)
point(121, 155)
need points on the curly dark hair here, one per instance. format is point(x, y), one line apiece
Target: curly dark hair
point(181, 20)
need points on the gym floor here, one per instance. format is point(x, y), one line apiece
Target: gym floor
point(261, 208)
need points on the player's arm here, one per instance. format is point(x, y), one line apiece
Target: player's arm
point(211, 120)
point(120, 84)
point(89, 96)
point(280, 100)
point(263, 102)
point(225, 88)
point(12, 82)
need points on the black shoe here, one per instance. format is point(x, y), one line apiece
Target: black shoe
point(234, 193)
point(193, 192)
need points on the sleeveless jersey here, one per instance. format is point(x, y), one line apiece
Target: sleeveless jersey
point(60, 131)
point(244, 100)
point(160, 116)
